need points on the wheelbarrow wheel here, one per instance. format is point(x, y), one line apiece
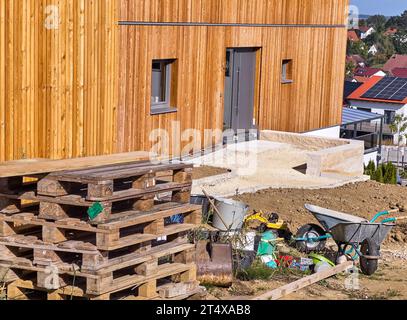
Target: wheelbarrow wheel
point(310, 231)
point(368, 262)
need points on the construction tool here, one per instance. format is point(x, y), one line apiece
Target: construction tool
point(215, 260)
point(215, 263)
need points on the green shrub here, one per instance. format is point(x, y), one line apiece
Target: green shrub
point(390, 175)
point(379, 175)
point(385, 173)
point(370, 170)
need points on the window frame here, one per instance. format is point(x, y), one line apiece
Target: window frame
point(389, 116)
point(287, 71)
point(167, 66)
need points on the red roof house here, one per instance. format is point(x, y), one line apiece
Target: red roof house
point(396, 61)
point(391, 32)
point(352, 36)
point(366, 72)
point(356, 59)
point(399, 72)
point(359, 94)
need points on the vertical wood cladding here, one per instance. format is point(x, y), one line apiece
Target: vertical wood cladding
point(58, 86)
point(83, 88)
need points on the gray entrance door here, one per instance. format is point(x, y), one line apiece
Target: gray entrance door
point(239, 88)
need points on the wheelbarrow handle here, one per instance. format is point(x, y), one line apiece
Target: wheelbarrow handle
point(378, 215)
point(394, 219)
point(383, 213)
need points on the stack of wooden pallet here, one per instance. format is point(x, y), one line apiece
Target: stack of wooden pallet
point(109, 232)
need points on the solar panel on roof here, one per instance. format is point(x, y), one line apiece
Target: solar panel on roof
point(389, 88)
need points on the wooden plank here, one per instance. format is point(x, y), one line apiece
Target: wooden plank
point(304, 282)
point(46, 166)
point(140, 238)
point(234, 11)
point(174, 290)
point(131, 218)
point(117, 171)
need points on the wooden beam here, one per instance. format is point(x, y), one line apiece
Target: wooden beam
point(22, 168)
point(281, 292)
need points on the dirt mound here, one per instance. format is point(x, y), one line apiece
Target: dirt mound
point(206, 171)
point(360, 199)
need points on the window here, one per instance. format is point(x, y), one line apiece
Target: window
point(287, 71)
point(365, 109)
point(162, 86)
point(389, 117)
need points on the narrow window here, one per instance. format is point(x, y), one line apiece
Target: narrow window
point(287, 71)
point(162, 86)
point(389, 117)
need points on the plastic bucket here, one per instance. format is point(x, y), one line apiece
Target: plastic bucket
point(232, 213)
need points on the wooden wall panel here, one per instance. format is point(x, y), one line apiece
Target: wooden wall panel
point(58, 86)
point(236, 11)
point(83, 89)
point(312, 101)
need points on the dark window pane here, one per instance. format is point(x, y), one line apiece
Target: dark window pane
point(156, 66)
point(286, 75)
point(159, 82)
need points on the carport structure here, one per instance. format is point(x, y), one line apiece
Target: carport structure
point(364, 126)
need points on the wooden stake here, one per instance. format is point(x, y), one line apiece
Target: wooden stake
point(304, 282)
point(216, 209)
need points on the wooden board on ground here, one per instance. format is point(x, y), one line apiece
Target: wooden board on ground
point(27, 167)
point(281, 292)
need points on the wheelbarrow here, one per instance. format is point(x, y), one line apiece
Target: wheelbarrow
point(354, 236)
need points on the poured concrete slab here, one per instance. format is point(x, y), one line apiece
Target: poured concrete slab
point(258, 165)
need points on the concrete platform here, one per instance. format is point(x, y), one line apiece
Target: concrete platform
point(262, 164)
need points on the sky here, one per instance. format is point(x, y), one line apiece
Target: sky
point(384, 7)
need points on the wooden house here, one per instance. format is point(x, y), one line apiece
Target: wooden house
point(93, 77)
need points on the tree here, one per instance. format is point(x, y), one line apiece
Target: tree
point(400, 42)
point(350, 69)
point(390, 174)
point(379, 174)
point(399, 127)
point(383, 43)
point(393, 22)
point(378, 22)
point(403, 20)
point(357, 47)
point(385, 46)
point(399, 22)
point(362, 23)
point(371, 169)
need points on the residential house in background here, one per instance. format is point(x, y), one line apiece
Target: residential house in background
point(396, 61)
point(353, 36)
point(390, 31)
point(356, 60)
point(385, 96)
point(366, 31)
point(399, 72)
point(364, 74)
point(106, 74)
point(372, 50)
point(350, 87)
